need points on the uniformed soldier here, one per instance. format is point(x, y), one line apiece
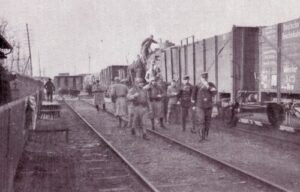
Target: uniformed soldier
point(50, 88)
point(155, 96)
point(185, 96)
point(152, 72)
point(130, 107)
point(118, 93)
point(138, 96)
point(202, 97)
point(99, 91)
point(172, 94)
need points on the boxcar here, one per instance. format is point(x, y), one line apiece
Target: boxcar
point(231, 61)
point(108, 74)
point(280, 61)
point(74, 82)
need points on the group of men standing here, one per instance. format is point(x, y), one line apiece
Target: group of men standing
point(198, 97)
point(149, 99)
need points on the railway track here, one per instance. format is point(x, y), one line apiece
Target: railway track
point(107, 169)
point(261, 135)
point(231, 177)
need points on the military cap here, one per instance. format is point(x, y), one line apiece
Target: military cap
point(186, 77)
point(123, 80)
point(204, 73)
point(139, 80)
point(117, 79)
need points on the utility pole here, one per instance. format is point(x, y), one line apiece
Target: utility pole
point(89, 63)
point(18, 58)
point(12, 61)
point(28, 39)
point(40, 71)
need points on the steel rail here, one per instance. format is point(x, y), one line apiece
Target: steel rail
point(270, 138)
point(136, 172)
point(220, 162)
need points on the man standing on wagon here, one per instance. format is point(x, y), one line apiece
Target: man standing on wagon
point(202, 98)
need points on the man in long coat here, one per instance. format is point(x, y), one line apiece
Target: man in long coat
point(138, 96)
point(119, 93)
point(155, 95)
point(99, 91)
point(202, 98)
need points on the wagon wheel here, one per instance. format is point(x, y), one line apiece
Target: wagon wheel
point(229, 115)
point(275, 113)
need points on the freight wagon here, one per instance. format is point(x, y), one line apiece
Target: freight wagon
point(68, 82)
point(231, 61)
point(280, 61)
point(108, 74)
point(262, 62)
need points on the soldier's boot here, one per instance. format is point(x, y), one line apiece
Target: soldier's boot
point(133, 131)
point(97, 107)
point(145, 136)
point(203, 133)
point(161, 123)
point(183, 126)
point(168, 118)
point(125, 125)
point(206, 133)
point(104, 108)
point(193, 129)
point(152, 124)
point(120, 122)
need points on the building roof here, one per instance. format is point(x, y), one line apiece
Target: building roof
point(4, 44)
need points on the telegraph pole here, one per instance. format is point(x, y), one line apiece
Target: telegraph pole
point(18, 58)
point(40, 71)
point(28, 39)
point(89, 63)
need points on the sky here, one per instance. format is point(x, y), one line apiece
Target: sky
point(64, 33)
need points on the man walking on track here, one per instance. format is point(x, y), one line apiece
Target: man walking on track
point(50, 88)
point(155, 96)
point(99, 91)
point(118, 94)
point(138, 96)
point(185, 96)
point(202, 97)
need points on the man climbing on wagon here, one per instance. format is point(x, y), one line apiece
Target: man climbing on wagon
point(145, 47)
